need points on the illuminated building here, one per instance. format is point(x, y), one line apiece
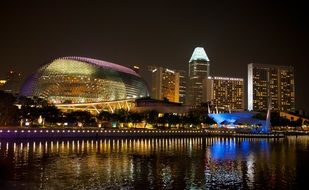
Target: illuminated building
point(225, 93)
point(182, 85)
point(271, 83)
point(237, 118)
point(165, 84)
point(2, 83)
point(79, 80)
point(198, 71)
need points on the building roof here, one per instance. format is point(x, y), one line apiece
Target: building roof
point(199, 54)
point(236, 118)
point(103, 64)
point(266, 66)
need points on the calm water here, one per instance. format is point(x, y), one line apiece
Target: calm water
point(178, 163)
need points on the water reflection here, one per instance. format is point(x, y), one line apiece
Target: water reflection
point(172, 163)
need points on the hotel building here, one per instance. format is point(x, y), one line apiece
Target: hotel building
point(227, 94)
point(271, 83)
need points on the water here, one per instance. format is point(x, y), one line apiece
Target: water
point(176, 163)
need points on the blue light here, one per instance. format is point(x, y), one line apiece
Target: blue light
point(223, 150)
point(237, 118)
point(245, 146)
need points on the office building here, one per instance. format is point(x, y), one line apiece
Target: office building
point(165, 84)
point(271, 85)
point(198, 71)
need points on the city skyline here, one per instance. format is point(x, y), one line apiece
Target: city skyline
point(233, 34)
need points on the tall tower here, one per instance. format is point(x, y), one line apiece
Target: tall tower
point(198, 71)
point(271, 83)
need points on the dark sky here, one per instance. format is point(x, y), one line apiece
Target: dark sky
point(233, 33)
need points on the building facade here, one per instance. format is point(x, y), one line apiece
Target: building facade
point(165, 83)
point(227, 94)
point(271, 85)
point(182, 85)
point(198, 71)
point(78, 80)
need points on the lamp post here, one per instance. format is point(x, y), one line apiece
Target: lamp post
point(40, 120)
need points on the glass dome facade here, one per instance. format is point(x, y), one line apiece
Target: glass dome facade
point(84, 80)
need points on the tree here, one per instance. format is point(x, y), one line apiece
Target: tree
point(105, 116)
point(151, 116)
point(120, 116)
point(194, 117)
point(134, 117)
point(208, 120)
point(51, 114)
point(8, 111)
point(81, 116)
point(33, 108)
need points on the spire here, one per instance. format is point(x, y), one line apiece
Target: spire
point(199, 54)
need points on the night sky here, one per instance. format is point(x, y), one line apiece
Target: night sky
point(233, 33)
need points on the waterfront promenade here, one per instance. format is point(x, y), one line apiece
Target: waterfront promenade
point(28, 133)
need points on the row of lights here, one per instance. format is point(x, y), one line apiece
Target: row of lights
point(220, 131)
point(105, 131)
point(123, 131)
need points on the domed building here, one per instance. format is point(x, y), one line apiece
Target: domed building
point(78, 80)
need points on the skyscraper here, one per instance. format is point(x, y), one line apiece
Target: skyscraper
point(165, 84)
point(198, 71)
point(227, 94)
point(271, 83)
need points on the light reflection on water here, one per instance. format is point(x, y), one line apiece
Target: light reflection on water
point(172, 163)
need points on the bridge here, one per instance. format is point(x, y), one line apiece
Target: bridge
point(98, 107)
